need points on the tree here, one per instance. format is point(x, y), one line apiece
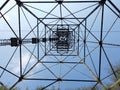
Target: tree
point(3, 88)
point(116, 81)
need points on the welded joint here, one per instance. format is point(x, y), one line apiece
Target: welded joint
point(19, 3)
point(59, 79)
point(102, 2)
point(35, 40)
point(100, 43)
point(21, 78)
point(15, 42)
point(59, 1)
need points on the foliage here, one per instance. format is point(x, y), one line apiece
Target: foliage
point(16, 88)
point(116, 81)
point(83, 88)
point(39, 88)
point(3, 88)
point(117, 69)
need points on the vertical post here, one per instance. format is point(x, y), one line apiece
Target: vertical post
point(100, 42)
point(85, 40)
point(78, 41)
point(38, 39)
point(45, 41)
point(20, 48)
point(61, 13)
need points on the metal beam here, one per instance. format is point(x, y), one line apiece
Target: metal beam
point(62, 2)
point(4, 4)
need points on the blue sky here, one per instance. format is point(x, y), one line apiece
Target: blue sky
point(31, 53)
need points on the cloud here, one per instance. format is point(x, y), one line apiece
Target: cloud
point(16, 65)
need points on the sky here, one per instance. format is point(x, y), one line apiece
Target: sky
point(23, 60)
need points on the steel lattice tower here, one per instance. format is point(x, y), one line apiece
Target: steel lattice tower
point(61, 43)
